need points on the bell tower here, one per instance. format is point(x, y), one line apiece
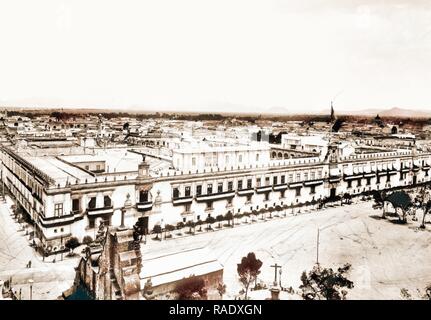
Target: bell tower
point(143, 168)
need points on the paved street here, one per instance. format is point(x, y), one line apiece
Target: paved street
point(50, 279)
point(385, 257)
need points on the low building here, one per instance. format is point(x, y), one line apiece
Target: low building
point(114, 268)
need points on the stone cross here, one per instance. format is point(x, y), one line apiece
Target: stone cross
point(276, 267)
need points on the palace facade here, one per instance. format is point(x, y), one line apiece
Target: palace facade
point(69, 194)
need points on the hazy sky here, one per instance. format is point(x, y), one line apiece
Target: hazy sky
point(221, 55)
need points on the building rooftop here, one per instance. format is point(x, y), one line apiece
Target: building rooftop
point(56, 169)
point(178, 265)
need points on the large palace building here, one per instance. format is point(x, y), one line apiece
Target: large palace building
point(69, 193)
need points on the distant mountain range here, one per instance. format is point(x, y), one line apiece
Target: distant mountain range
point(392, 112)
point(231, 109)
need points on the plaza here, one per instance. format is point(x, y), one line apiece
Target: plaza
point(385, 256)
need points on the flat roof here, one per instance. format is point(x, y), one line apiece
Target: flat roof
point(56, 169)
point(119, 160)
point(178, 265)
point(82, 158)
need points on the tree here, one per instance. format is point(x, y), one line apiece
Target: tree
point(168, 229)
point(229, 217)
point(199, 223)
point(219, 219)
point(180, 225)
point(72, 244)
point(157, 229)
point(191, 225)
point(248, 270)
point(87, 240)
point(325, 283)
point(139, 229)
point(425, 209)
point(401, 200)
point(221, 288)
point(347, 198)
point(424, 202)
point(379, 201)
point(191, 288)
point(427, 294)
point(271, 210)
point(210, 220)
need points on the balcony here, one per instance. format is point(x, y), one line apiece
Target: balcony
point(143, 206)
point(383, 172)
point(263, 189)
point(94, 212)
point(56, 221)
point(182, 200)
point(405, 169)
point(316, 182)
point(293, 185)
point(354, 176)
point(369, 175)
point(245, 192)
point(215, 196)
point(280, 187)
point(333, 179)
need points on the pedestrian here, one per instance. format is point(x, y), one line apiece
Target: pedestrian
point(29, 264)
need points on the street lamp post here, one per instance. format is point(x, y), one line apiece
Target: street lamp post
point(31, 281)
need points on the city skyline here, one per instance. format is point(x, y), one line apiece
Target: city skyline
point(229, 56)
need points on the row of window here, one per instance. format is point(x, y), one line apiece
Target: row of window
point(219, 187)
point(76, 205)
point(27, 178)
point(211, 159)
point(384, 165)
point(209, 190)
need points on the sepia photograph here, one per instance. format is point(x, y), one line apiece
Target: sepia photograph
point(238, 152)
